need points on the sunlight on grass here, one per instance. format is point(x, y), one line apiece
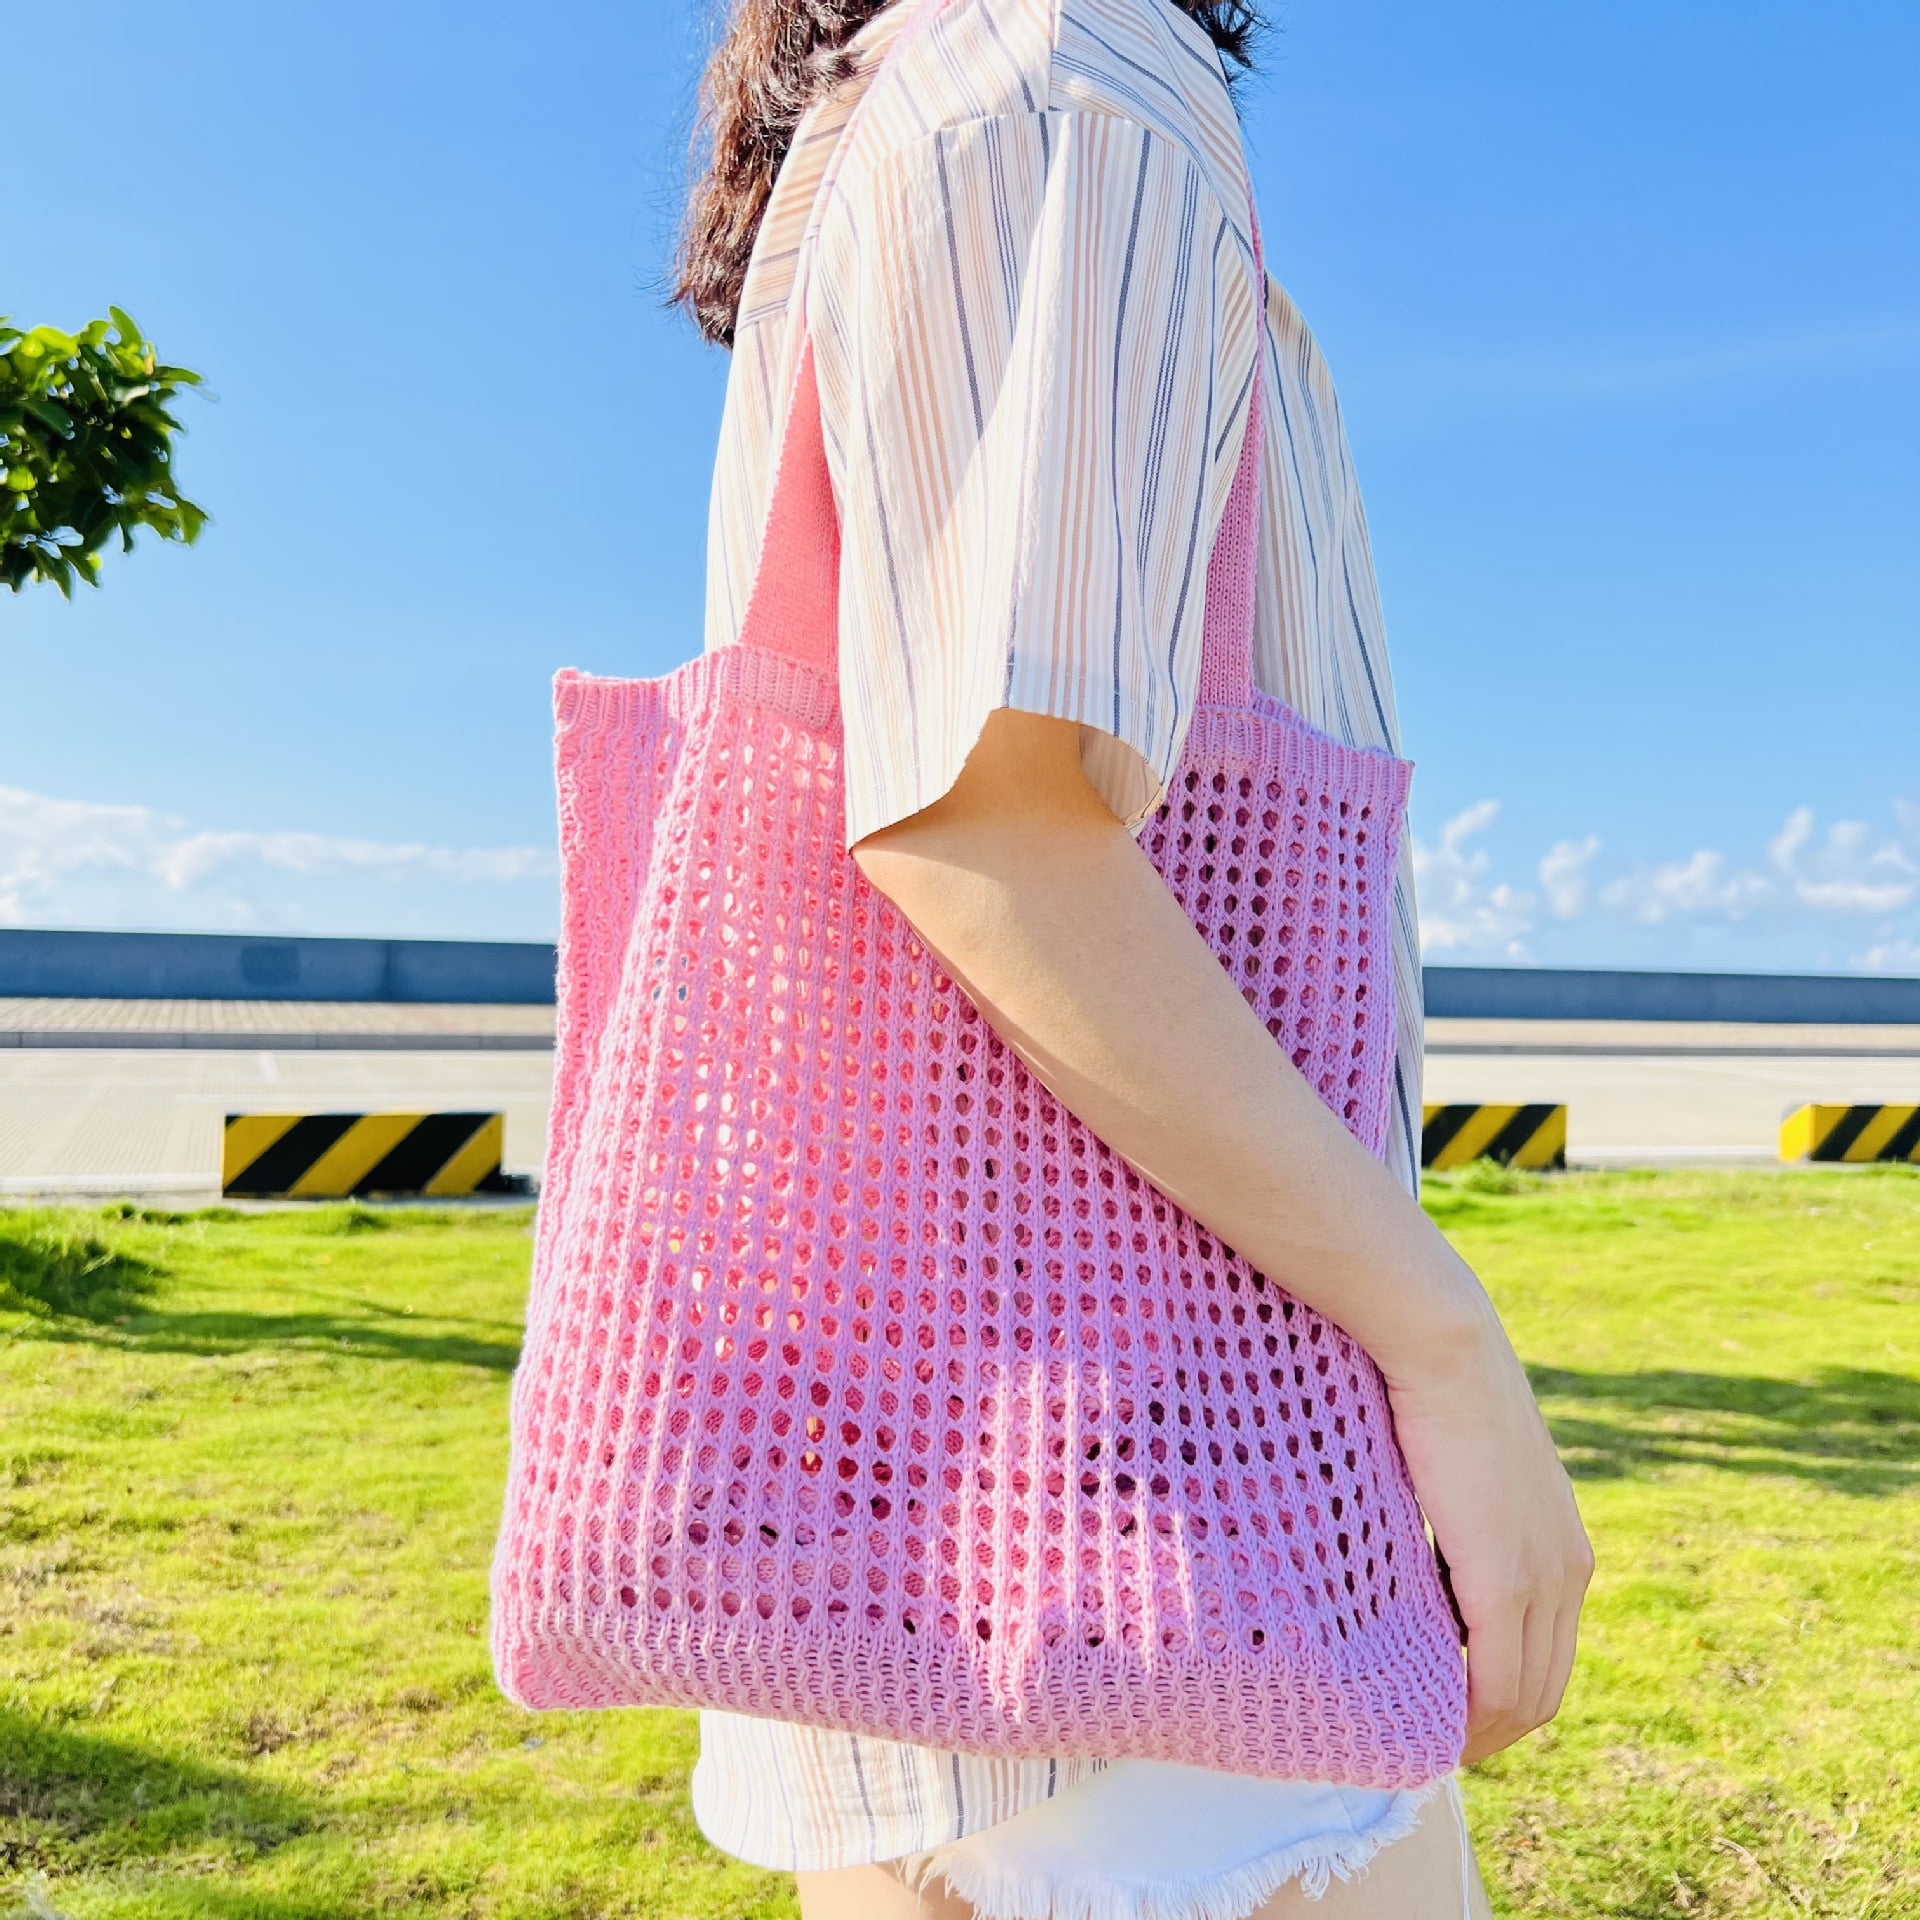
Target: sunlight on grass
point(1731, 1365)
point(249, 1474)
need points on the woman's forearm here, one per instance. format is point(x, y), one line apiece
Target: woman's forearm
point(1046, 912)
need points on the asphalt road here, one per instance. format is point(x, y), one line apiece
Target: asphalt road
point(128, 1098)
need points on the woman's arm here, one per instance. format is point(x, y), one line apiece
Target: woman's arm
point(1045, 911)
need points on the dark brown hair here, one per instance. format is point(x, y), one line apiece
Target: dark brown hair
point(776, 58)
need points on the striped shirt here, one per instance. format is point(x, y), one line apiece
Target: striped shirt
point(1019, 240)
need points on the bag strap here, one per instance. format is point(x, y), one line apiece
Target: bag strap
point(793, 604)
point(1233, 571)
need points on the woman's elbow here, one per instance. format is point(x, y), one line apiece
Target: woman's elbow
point(1019, 801)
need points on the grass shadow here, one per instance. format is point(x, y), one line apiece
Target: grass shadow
point(338, 1335)
point(55, 1269)
point(73, 1801)
point(1853, 1429)
point(79, 1289)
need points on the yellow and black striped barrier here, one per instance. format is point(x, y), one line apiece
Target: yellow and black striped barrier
point(335, 1156)
point(1456, 1136)
point(1851, 1134)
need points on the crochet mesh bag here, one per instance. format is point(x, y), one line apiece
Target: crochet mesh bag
point(863, 1386)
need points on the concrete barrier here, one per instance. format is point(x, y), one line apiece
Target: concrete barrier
point(332, 1156)
point(1516, 1136)
point(1851, 1134)
point(226, 966)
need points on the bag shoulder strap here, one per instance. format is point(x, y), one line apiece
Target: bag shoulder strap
point(793, 607)
point(1233, 571)
point(793, 604)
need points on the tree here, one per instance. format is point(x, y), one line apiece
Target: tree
point(86, 445)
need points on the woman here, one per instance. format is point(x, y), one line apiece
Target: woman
point(1017, 233)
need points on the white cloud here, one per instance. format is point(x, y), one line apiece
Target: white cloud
point(1702, 884)
point(1846, 874)
point(1849, 871)
point(187, 862)
point(77, 862)
point(1459, 907)
point(1892, 956)
point(1563, 875)
point(42, 841)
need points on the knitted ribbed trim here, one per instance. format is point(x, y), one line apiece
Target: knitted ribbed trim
point(1316, 1861)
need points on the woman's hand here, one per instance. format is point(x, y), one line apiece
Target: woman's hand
point(1510, 1537)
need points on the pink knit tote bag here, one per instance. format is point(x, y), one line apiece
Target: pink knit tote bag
point(863, 1385)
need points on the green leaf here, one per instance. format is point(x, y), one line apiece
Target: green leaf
point(86, 446)
point(49, 415)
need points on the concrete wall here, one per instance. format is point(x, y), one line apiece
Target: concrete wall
point(1564, 993)
point(220, 966)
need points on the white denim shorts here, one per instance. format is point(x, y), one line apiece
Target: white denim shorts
point(1145, 1840)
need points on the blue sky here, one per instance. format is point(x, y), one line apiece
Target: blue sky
point(1624, 306)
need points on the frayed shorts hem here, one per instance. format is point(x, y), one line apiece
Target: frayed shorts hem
point(1229, 1893)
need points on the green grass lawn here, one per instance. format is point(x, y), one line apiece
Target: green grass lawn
point(249, 1475)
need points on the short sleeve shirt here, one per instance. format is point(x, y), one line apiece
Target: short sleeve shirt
point(1034, 325)
point(1019, 241)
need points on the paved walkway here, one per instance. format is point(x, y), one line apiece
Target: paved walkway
point(38, 1024)
point(128, 1097)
